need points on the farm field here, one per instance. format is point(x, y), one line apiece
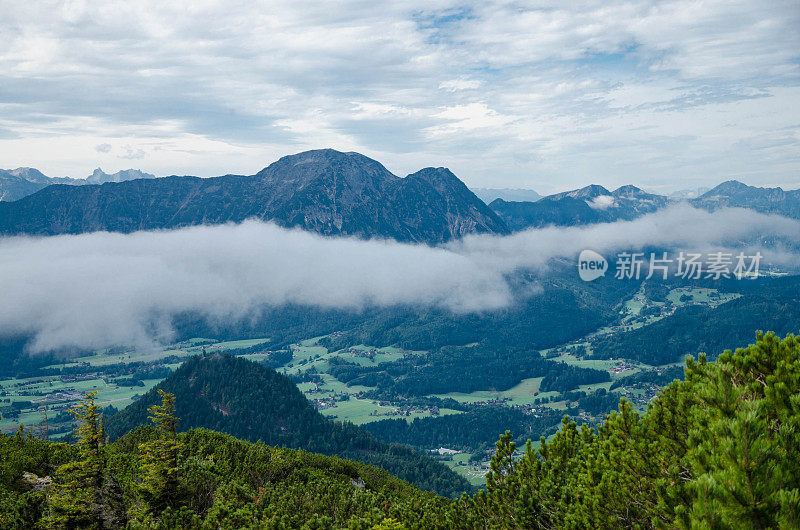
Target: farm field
point(522, 394)
point(57, 394)
point(475, 473)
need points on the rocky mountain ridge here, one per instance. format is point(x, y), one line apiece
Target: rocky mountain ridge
point(325, 191)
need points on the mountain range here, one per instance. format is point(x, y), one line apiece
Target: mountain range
point(335, 193)
point(23, 181)
point(324, 191)
point(596, 204)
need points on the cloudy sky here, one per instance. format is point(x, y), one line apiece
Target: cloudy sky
point(668, 95)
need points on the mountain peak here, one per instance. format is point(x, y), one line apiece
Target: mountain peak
point(729, 186)
point(587, 192)
point(325, 157)
point(736, 194)
point(29, 173)
point(324, 190)
point(437, 174)
point(629, 190)
point(99, 176)
point(300, 169)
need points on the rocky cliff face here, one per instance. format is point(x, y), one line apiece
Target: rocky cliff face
point(325, 191)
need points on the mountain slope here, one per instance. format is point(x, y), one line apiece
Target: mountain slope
point(325, 191)
point(222, 482)
point(765, 200)
point(13, 187)
point(768, 304)
point(253, 402)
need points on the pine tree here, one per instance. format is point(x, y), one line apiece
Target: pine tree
point(745, 441)
point(160, 487)
point(76, 498)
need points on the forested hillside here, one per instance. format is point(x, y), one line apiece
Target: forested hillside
point(718, 450)
point(472, 431)
point(694, 329)
point(255, 403)
point(552, 309)
point(153, 478)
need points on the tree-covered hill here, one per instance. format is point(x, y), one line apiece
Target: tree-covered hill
point(255, 403)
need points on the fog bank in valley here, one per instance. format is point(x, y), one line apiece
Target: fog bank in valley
point(103, 289)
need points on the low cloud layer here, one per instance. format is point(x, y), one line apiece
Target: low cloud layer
point(679, 227)
point(103, 289)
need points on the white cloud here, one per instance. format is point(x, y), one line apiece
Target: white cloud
point(601, 202)
point(132, 153)
point(101, 289)
point(454, 85)
point(464, 118)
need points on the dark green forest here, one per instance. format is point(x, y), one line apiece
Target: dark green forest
point(473, 431)
point(464, 369)
point(717, 450)
point(694, 329)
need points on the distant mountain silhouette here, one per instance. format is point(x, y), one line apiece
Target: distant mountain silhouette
point(23, 181)
point(691, 193)
point(595, 204)
point(101, 177)
point(487, 195)
point(324, 191)
point(335, 193)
